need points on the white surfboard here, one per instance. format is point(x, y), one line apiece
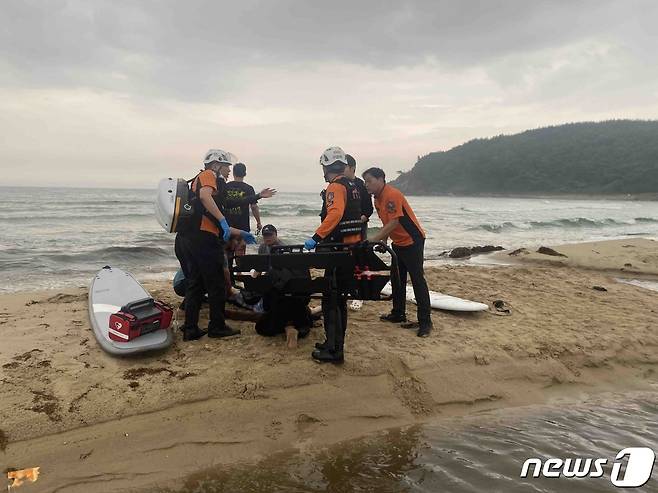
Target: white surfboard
point(109, 291)
point(442, 301)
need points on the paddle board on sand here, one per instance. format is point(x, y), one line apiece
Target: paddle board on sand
point(442, 301)
point(110, 290)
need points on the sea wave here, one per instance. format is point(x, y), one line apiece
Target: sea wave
point(55, 216)
point(288, 211)
point(495, 228)
point(94, 202)
point(646, 220)
point(117, 254)
point(576, 222)
point(9, 205)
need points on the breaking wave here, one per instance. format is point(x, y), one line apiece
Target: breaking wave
point(577, 222)
point(289, 210)
point(113, 254)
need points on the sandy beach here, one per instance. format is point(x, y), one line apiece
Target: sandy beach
point(92, 422)
point(624, 256)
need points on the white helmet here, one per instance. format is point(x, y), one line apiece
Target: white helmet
point(332, 155)
point(219, 156)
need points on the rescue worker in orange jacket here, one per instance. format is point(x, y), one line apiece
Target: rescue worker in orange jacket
point(341, 223)
point(408, 237)
point(200, 251)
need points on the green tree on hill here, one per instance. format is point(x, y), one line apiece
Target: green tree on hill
point(612, 157)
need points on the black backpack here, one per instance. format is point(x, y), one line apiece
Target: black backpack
point(177, 207)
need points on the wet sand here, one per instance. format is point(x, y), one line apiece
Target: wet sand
point(97, 423)
point(625, 256)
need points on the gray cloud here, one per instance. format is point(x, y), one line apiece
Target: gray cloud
point(120, 91)
point(198, 50)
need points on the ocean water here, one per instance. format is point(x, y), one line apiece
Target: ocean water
point(58, 237)
point(480, 453)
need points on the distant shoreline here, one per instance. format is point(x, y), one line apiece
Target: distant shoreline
point(546, 196)
point(632, 197)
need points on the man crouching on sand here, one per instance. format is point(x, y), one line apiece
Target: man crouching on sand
point(283, 314)
point(408, 238)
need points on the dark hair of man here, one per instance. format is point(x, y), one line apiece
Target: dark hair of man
point(239, 169)
point(351, 162)
point(375, 173)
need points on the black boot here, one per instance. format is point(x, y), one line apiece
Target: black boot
point(225, 332)
point(192, 334)
point(331, 351)
point(424, 330)
point(327, 356)
point(394, 318)
point(324, 351)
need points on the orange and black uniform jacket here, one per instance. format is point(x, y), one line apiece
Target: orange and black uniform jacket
point(336, 202)
point(366, 199)
point(391, 204)
point(206, 178)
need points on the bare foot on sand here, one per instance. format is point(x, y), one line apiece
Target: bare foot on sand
point(291, 337)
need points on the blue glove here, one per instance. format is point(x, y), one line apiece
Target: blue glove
point(227, 229)
point(310, 244)
point(248, 237)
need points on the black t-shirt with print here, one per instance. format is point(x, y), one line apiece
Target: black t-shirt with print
point(238, 215)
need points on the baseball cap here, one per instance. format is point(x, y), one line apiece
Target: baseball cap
point(268, 229)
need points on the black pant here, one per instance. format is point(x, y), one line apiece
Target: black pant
point(179, 250)
point(282, 310)
point(205, 263)
point(334, 309)
point(410, 260)
point(181, 288)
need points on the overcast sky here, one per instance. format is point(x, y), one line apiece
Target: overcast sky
point(121, 93)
